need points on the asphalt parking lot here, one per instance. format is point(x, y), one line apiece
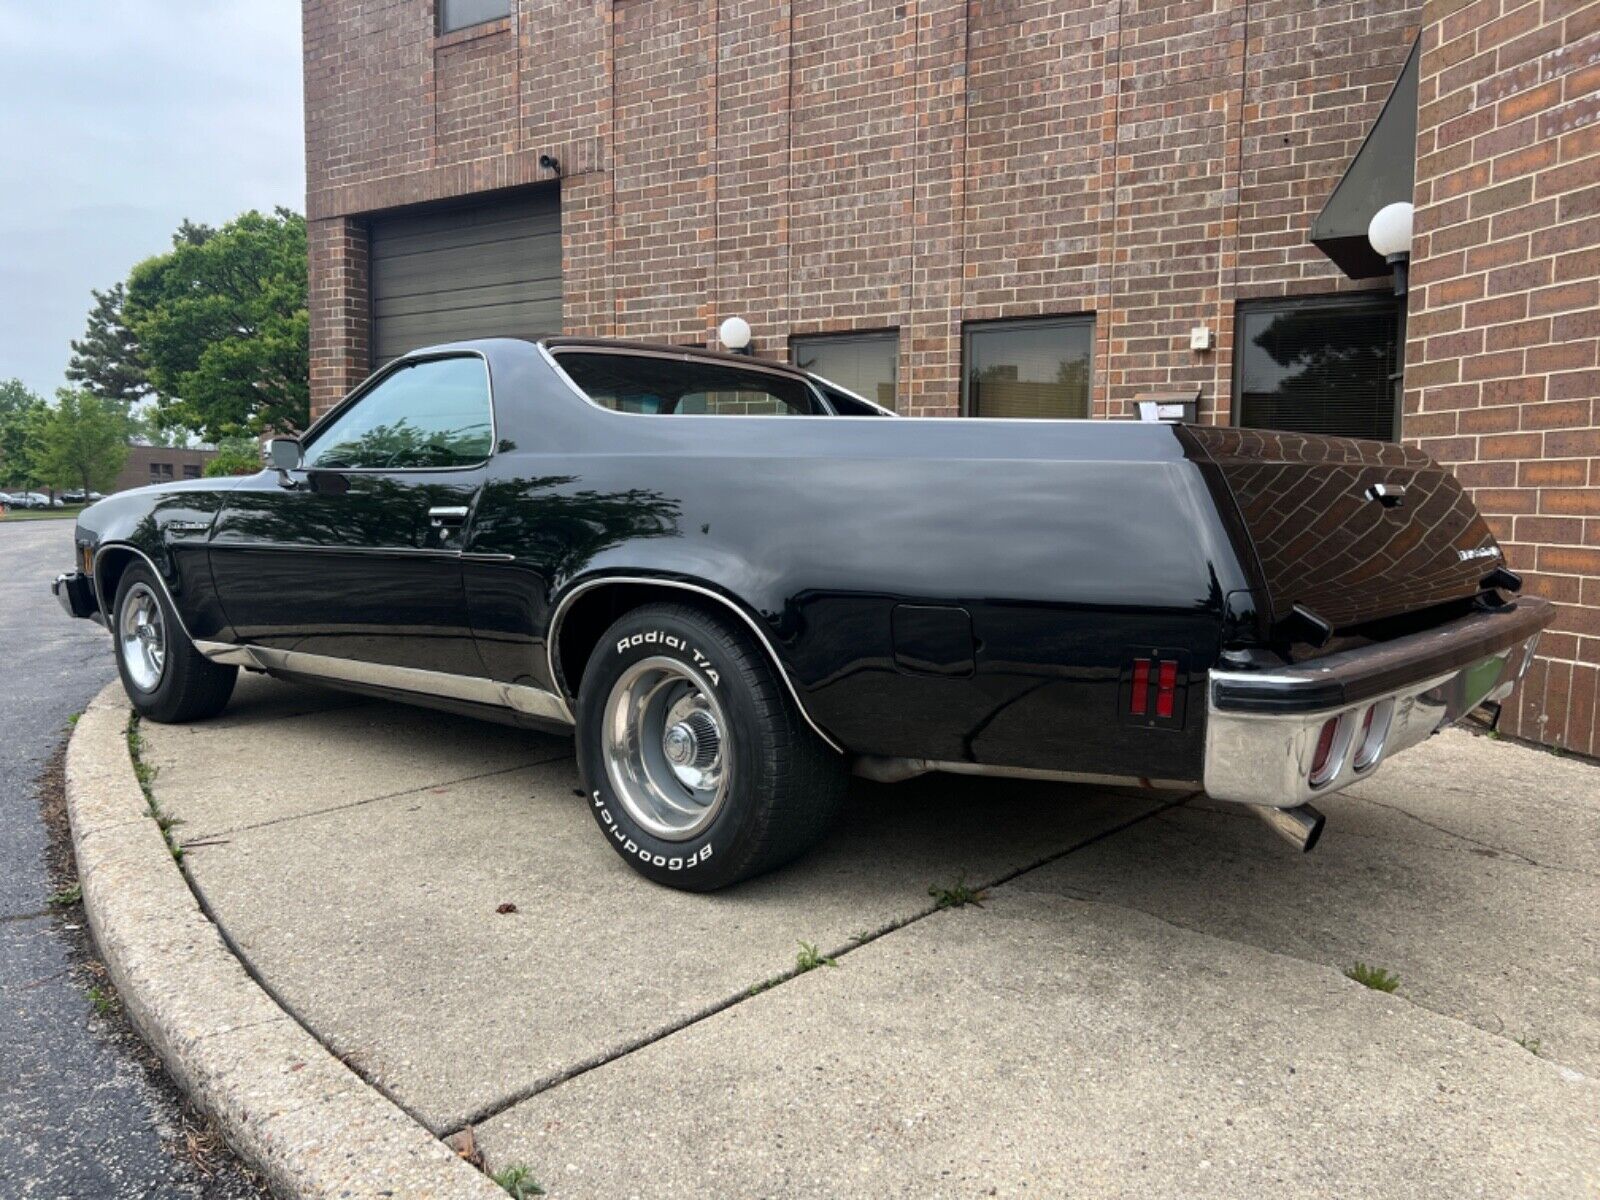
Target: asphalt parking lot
point(1150, 998)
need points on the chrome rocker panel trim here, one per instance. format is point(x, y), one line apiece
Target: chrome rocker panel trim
point(532, 701)
point(1265, 758)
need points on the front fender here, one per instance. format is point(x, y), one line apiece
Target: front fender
point(166, 528)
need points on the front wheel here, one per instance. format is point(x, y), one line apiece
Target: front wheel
point(697, 764)
point(166, 678)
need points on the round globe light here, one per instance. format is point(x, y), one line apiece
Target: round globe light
point(1389, 231)
point(734, 333)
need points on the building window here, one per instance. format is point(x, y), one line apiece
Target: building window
point(1036, 368)
point(160, 472)
point(191, 470)
point(1318, 365)
point(867, 364)
point(459, 14)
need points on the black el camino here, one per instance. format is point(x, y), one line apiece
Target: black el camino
point(734, 609)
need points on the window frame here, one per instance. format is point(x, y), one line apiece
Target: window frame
point(887, 334)
point(371, 383)
point(1083, 320)
point(1351, 299)
point(553, 356)
point(440, 29)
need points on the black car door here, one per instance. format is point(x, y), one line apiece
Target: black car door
point(356, 556)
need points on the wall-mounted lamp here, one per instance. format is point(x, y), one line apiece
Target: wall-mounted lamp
point(549, 162)
point(1389, 232)
point(734, 333)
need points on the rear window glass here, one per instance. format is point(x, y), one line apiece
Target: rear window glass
point(651, 386)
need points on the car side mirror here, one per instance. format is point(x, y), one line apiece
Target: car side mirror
point(283, 454)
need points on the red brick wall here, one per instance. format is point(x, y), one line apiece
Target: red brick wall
point(1502, 372)
point(824, 165)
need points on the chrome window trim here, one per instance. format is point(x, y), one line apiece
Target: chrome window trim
point(827, 416)
point(532, 701)
point(365, 387)
point(552, 636)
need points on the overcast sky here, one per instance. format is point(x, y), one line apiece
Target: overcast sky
point(119, 118)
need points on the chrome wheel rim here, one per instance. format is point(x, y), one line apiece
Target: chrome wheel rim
point(666, 748)
point(142, 636)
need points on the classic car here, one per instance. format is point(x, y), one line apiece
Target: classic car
point(733, 610)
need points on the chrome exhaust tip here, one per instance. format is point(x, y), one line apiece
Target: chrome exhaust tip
point(1300, 826)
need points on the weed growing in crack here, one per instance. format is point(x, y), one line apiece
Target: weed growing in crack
point(810, 958)
point(104, 1000)
point(958, 895)
point(67, 896)
point(1530, 1044)
point(146, 775)
point(518, 1181)
point(1375, 978)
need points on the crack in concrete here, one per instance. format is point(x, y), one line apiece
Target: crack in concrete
point(645, 1040)
point(1083, 897)
point(201, 840)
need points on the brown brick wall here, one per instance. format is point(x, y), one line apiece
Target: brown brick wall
point(821, 165)
point(1502, 374)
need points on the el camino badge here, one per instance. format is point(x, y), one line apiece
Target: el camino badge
point(1480, 552)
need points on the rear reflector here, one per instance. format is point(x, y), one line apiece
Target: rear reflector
point(1324, 753)
point(1138, 701)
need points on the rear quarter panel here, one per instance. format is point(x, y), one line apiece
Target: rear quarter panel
point(1071, 546)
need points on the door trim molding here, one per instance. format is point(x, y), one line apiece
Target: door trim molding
point(519, 697)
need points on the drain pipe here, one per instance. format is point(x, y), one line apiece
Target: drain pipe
point(1300, 826)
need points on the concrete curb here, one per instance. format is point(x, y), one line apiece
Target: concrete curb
point(287, 1106)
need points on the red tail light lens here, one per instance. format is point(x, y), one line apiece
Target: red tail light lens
point(1166, 684)
point(1325, 739)
point(1139, 700)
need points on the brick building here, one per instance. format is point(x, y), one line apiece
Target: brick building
point(1006, 207)
point(160, 464)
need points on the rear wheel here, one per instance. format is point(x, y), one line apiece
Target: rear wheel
point(165, 677)
point(697, 764)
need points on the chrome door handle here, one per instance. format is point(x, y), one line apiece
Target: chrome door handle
point(450, 514)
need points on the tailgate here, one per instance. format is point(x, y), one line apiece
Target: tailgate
point(1322, 537)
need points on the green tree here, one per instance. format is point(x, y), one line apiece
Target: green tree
point(21, 412)
point(106, 359)
point(235, 456)
point(222, 328)
point(83, 441)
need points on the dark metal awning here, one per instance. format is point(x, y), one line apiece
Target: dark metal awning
point(1382, 172)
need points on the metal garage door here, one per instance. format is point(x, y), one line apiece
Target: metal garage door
point(479, 270)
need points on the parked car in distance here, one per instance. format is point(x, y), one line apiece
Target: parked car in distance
point(736, 584)
point(33, 500)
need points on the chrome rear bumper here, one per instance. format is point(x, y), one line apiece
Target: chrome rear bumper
point(1263, 728)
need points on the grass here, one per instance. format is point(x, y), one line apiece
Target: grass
point(104, 1000)
point(72, 719)
point(42, 514)
point(810, 958)
point(1375, 978)
point(67, 896)
point(518, 1181)
point(958, 895)
point(146, 775)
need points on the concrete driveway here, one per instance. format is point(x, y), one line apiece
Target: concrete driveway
point(1150, 1000)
